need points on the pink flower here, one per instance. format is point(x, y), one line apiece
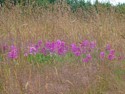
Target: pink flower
point(87, 59)
point(13, 54)
point(112, 51)
point(85, 43)
point(111, 57)
point(58, 43)
point(50, 46)
point(89, 56)
point(38, 45)
point(102, 55)
point(32, 50)
point(43, 51)
point(76, 50)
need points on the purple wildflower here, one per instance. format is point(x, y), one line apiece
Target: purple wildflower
point(13, 54)
point(61, 47)
point(43, 51)
point(102, 55)
point(88, 58)
point(38, 45)
point(76, 50)
point(32, 50)
point(58, 43)
point(111, 56)
point(112, 51)
point(61, 51)
point(86, 46)
point(50, 46)
point(73, 47)
point(85, 43)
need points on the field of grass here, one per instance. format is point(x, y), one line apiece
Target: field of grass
point(58, 51)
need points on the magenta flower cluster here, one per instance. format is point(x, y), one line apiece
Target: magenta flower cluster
point(13, 53)
point(87, 58)
point(111, 53)
point(86, 48)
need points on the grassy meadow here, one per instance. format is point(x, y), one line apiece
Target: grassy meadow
point(26, 70)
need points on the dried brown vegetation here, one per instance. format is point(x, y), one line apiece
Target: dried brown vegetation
point(20, 26)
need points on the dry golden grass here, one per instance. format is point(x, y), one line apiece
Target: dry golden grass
point(32, 25)
point(20, 26)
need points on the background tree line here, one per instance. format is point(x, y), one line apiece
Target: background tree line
point(74, 4)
